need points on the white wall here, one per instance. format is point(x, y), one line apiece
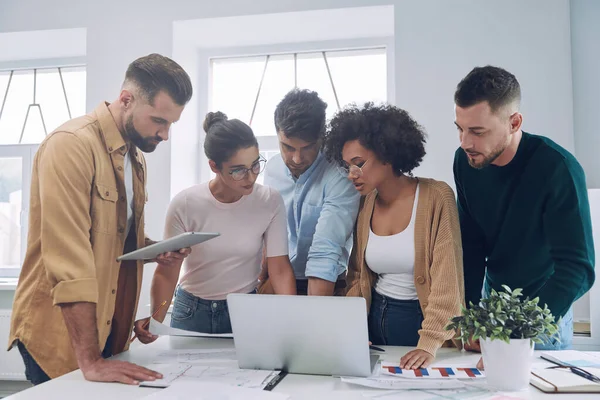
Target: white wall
point(438, 45)
point(437, 42)
point(585, 42)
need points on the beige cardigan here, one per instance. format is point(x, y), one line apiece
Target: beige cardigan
point(438, 260)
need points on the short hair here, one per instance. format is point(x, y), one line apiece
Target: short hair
point(495, 85)
point(386, 130)
point(154, 73)
point(301, 114)
point(225, 136)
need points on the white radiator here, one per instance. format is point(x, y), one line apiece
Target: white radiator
point(11, 363)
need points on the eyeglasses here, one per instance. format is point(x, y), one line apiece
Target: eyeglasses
point(241, 173)
point(579, 371)
point(353, 171)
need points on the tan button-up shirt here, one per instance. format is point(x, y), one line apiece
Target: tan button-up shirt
point(77, 228)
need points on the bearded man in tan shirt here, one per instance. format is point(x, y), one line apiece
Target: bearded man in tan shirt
point(75, 304)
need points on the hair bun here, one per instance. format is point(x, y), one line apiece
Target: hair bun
point(213, 118)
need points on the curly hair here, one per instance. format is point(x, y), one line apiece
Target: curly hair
point(386, 130)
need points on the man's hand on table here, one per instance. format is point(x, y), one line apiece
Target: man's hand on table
point(103, 370)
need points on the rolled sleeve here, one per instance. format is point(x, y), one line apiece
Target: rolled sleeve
point(333, 230)
point(76, 290)
point(65, 172)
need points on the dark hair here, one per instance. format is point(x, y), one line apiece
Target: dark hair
point(301, 114)
point(153, 73)
point(386, 130)
point(225, 136)
point(492, 84)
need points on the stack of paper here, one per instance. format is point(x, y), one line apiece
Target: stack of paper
point(157, 328)
point(573, 358)
point(194, 356)
point(254, 379)
point(469, 392)
point(212, 391)
point(392, 383)
point(390, 376)
point(432, 372)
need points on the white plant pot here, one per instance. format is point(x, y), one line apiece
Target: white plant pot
point(507, 365)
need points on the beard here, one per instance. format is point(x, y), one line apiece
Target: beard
point(143, 143)
point(490, 158)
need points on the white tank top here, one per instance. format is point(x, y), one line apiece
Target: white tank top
point(392, 258)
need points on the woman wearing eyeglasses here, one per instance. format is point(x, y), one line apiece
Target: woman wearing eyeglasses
point(407, 256)
point(246, 214)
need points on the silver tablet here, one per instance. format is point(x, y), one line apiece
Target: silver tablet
point(187, 239)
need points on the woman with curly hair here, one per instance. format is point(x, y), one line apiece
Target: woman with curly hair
point(407, 255)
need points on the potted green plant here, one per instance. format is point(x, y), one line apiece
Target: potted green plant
point(507, 327)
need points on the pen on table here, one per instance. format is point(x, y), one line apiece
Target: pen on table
point(376, 348)
point(153, 315)
point(579, 371)
point(585, 374)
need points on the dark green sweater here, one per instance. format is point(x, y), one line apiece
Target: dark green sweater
point(528, 223)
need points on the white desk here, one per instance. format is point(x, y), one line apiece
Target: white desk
point(74, 387)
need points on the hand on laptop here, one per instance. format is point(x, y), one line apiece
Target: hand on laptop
point(416, 358)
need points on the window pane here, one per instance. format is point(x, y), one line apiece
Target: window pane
point(279, 79)
point(10, 214)
point(359, 76)
point(20, 95)
point(51, 99)
point(234, 85)
point(49, 95)
point(312, 74)
point(34, 129)
point(74, 78)
point(4, 76)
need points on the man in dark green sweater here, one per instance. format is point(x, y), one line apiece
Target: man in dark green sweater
point(522, 201)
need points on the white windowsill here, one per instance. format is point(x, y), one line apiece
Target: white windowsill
point(8, 283)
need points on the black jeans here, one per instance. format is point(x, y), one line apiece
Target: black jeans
point(394, 322)
point(34, 373)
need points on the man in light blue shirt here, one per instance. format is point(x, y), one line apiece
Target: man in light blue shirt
point(321, 203)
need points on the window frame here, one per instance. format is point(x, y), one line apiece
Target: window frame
point(267, 142)
point(27, 153)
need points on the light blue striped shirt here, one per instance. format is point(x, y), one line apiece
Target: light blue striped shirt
point(321, 207)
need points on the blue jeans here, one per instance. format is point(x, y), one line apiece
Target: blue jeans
point(565, 335)
point(199, 315)
point(394, 322)
point(565, 330)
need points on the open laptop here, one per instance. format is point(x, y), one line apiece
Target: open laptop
point(314, 335)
